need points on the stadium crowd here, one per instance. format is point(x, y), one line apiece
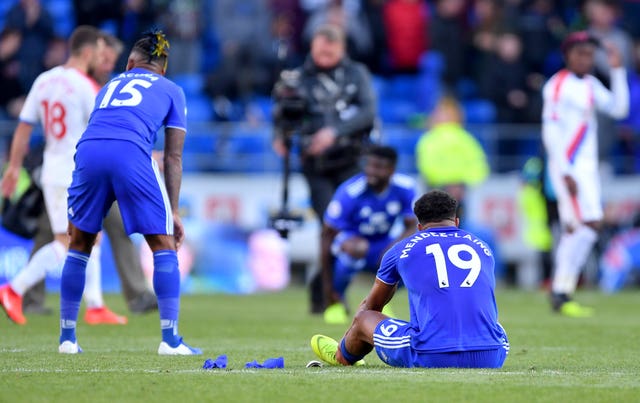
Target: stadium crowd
point(493, 55)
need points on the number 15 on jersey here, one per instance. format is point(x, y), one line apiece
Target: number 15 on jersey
point(128, 95)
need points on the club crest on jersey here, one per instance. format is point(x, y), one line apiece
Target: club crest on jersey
point(393, 207)
point(365, 211)
point(334, 209)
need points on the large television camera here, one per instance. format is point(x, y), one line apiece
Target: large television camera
point(290, 99)
point(290, 107)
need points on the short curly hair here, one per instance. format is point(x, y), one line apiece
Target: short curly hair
point(435, 205)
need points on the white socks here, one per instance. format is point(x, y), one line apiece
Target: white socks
point(45, 260)
point(571, 254)
point(50, 258)
point(93, 285)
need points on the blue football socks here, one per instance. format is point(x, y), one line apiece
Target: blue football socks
point(71, 289)
point(351, 359)
point(166, 283)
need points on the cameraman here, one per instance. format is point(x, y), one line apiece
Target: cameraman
point(337, 115)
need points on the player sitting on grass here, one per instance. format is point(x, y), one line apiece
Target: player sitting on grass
point(449, 277)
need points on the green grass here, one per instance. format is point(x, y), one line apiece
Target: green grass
point(552, 358)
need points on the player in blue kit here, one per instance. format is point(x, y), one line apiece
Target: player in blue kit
point(449, 277)
point(113, 162)
point(358, 222)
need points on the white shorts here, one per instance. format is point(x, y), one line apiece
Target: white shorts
point(586, 205)
point(55, 199)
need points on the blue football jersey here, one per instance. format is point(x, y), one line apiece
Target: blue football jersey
point(356, 208)
point(449, 276)
point(134, 105)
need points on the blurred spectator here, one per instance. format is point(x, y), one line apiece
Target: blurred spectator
point(95, 12)
point(351, 20)
point(602, 16)
point(449, 36)
point(629, 146)
point(280, 49)
point(290, 12)
point(35, 24)
point(540, 28)
point(407, 33)
point(487, 24)
point(12, 94)
point(630, 17)
point(373, 13)
point(56, 53)
point(505, 82)
point(183, 24)
point(103, 70)
point(136, 17)
point(240, 27)
point(447, 156)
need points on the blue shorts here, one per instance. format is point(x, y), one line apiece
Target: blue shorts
point(394, 348)
point(109, 170)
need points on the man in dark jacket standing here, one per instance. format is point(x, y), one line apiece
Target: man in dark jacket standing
point(338, 117)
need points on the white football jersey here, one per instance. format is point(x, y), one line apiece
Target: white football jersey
point(569, 132)
point(569, 125)
point(61, 100)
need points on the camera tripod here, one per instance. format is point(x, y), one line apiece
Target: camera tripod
point(284, 220)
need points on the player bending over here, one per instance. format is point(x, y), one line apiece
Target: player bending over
point(113, 162)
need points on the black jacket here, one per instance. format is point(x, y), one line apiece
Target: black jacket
point(341, 98)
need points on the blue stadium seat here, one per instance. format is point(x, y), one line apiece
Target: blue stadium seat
point(479, 111)
point(63, 16)
point(403, 87)
point(248, 149)
point(199, 108)
point(380, 86)
point(429, 92)
point(466, 89)
point(264, 105)
point(404, 140)
point(192, 84)
point(396, 110)
point(110, 26)
point(200, 147)
point(5, 6)
point(431, 62)
point(248, 140)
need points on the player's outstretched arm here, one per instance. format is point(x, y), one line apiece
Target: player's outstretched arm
point(19, 148)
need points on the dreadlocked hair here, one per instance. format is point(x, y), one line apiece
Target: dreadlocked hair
point(154, 45)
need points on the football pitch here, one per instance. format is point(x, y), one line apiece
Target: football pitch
point(552, 358)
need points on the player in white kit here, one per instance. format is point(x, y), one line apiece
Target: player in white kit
point(61, 100)
point(569, 132)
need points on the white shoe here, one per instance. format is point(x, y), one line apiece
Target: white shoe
point(68, 347)
point(181, 349)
